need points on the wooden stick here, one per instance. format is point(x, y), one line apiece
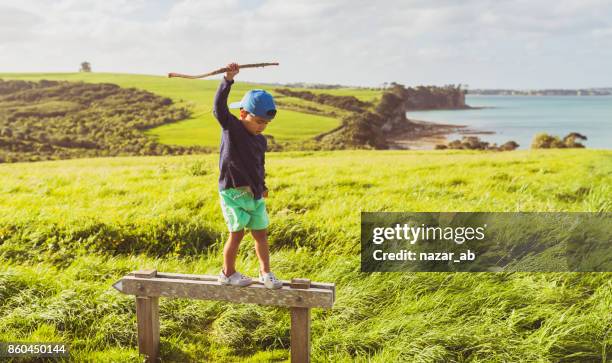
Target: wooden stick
point(220, 70)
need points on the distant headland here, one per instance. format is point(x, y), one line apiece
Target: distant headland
point(543, 92)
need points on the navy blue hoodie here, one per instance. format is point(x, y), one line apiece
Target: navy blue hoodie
point(242, 154)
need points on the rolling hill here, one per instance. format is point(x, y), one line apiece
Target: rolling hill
point(294, 122)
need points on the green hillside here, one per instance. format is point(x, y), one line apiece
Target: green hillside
point(202, 129)
point(69, 229)
point(50, 120)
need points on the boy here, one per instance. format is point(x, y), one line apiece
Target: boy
point(241, 181)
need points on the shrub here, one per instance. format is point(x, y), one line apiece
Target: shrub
point(570, 140)
point(509, 146)
point(546, 141)
point(474, 143)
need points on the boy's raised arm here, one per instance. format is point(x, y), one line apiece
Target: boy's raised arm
point(220, 109)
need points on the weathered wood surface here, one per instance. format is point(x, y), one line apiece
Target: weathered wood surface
point(206, 287)
point(300, 327)
point(145, 273)
point(300, 284)
point(316, 285)
point(300, 335)
point(147, 317)
point(299, 295)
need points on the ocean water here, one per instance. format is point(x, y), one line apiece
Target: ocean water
point(520, 118)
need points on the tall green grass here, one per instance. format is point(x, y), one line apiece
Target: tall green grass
point(69, 229)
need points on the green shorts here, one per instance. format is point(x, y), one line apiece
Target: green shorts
point(241, 210)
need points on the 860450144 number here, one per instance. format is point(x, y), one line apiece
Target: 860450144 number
point(30, 349)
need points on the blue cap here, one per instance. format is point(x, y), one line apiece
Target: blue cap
point(257, 102)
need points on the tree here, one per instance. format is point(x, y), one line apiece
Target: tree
point(546, 141)
point(570, 140)
point(509, 146)
point(85, 67)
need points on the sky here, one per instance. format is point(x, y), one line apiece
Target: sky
point(519, 44)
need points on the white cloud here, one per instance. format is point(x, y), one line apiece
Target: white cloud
point(16, 24)
point(343, 41)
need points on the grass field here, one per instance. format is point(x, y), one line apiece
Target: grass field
point(69, 229)
point(202, 129)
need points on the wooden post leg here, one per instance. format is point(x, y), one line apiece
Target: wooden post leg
point(300, 335)
point(147, 316)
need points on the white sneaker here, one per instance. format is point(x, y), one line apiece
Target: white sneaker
point(270, 281)
point(236, 279)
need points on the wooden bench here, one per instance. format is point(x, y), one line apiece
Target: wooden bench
point(299, 295)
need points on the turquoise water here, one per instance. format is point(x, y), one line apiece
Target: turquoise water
point(520, 118)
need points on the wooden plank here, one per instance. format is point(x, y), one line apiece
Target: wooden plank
point(147, 317)
point(171, 275)
point(213, 290)
point(300, 335)
point(145, 273)
point(300, 284)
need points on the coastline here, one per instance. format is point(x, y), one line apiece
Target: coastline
point(449, 108)
point(521, 118)
point(425, 135)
